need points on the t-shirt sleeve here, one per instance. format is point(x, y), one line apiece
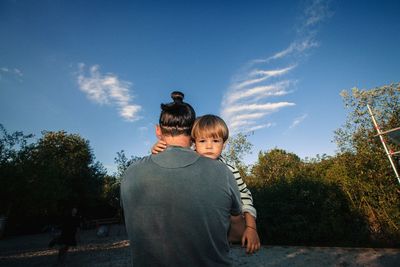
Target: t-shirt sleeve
point(236, 207)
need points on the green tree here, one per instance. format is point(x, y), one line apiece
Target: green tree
point(123, 163)
point(14, 148)
point(307, 211)
point(48, 177)
point(367, 176)
point(66, 170)
point(112, 184)
point(276, 165)
point(236, 148)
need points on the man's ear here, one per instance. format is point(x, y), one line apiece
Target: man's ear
point(158, 132)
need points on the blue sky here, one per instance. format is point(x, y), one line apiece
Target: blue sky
point(271, 68)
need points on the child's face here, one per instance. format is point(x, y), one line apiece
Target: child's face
point(209, 147)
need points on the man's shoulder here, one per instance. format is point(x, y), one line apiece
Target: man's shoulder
point(231, 167)
point(141, 161)
point(214, 163)
point(138, 163)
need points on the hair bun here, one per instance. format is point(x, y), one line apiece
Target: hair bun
point(177, 96)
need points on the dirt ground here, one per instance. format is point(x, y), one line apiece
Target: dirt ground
point(113, 251)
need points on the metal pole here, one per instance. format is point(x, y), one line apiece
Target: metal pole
point(384, 143)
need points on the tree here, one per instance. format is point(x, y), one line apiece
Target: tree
point(112, 184)
point(307, 211)
point(370, 181)
point(236, 148)
point(13, 150)
point(66, 169)
point(123, 163)
point(275, 165)
point(48, 177)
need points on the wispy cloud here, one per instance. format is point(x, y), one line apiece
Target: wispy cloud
point(146, 133)
point(143, 129)
point(247, 102)
point(108, 89)
point(298, 120)
point(317, 12)
point(12, 72)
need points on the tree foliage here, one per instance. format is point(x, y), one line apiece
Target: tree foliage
point(276, 165)
point(14, 150)
point(42, 179)
point(307, 211)
point(351, 198)
point(236, 147)
point(370, 182)
point(112, 184)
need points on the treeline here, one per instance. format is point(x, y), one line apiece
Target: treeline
point(352, 198)
point(41, 180)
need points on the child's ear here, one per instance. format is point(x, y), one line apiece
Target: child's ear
point(158, 131)
point(224, 145)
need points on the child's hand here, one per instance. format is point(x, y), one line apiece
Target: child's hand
point(250, 240)
point(158, 147)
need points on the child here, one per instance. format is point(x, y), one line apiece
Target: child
point(210, 134)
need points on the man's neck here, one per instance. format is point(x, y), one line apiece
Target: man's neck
point(179, 140)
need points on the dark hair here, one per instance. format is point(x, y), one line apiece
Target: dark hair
point(177, 117)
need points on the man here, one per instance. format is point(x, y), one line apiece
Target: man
point(70, 229)
point(177, 204)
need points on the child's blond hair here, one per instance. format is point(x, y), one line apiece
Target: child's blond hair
point(210, 126)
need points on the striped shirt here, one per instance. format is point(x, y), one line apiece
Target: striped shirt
point(245, 194)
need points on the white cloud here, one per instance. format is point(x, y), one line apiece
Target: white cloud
point(246, 103)
point(270, 107)
point(129, 112)
point(296, 47)
point(12, 73)
point(258, 92)
point(297, 121)
point(316, 12)
point(251, 116)
point(108, 89)
point(258, 127)
point(265, 74)
point(18, 72)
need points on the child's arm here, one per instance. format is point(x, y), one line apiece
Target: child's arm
point(250, 237)
point(158, 147)
point(245, 195)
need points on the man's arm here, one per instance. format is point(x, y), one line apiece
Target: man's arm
point(237, 228)
point(238, 224)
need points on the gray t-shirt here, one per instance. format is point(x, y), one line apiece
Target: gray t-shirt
point(177, 208)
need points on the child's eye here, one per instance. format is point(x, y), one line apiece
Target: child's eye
point(202, 141)
point(217, 141)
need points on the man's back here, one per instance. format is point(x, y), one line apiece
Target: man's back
point(177, 207)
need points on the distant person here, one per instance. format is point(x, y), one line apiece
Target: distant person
point(177, 204)
point(209, 134)
point(70, 229)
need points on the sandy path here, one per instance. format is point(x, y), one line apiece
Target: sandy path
point(113, 251)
